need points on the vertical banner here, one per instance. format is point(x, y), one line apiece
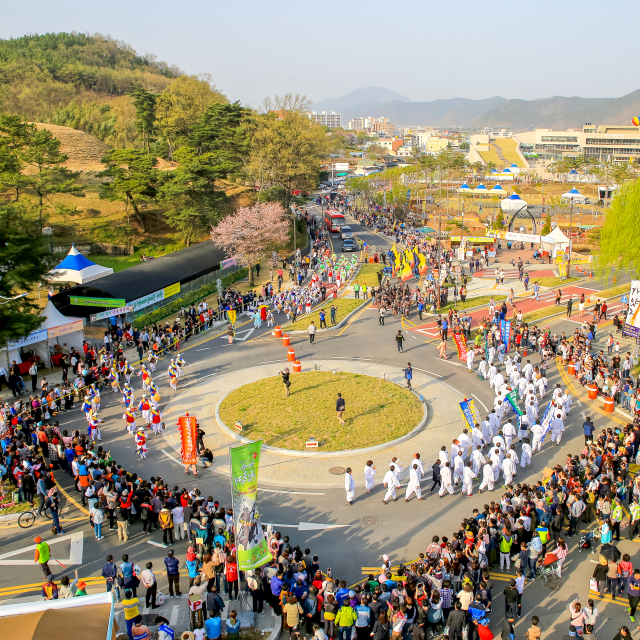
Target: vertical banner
point(231, 314)
point(546, 420)
point(631, 327)
point(250, 541)
point(468, 413)
point(513, 397)
point(505, 332)
point(461, 344)
point(188, 427)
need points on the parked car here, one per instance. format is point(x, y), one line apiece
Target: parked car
point(349, 244)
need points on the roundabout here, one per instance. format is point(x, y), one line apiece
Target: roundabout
point(438, 422)
point(378, 410)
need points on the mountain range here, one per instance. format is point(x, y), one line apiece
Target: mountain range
point(557, 112)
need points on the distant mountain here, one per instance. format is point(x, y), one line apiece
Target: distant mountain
point(453, 112)
point(560, 112)
point(359, 96)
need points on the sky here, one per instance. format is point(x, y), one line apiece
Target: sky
point(419, 48)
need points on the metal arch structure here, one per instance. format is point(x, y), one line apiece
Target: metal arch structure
point(513, 217)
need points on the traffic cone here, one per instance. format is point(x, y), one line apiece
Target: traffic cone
point(524, 353)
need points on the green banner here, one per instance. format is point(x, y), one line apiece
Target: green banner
point(250, 541)
point(513, 397)
point(113, 303)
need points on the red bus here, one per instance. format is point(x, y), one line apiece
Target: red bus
point(333, 221)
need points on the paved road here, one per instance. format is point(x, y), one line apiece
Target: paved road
point(398, 529)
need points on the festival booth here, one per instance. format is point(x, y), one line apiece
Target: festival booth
point(555, 243)
point(498, 191)
point(574, 196)
point(465, 188)
point(90, 616)
point(572, 176)
point(44, 344)
point(514, 168)
point(505, 175)
point(76, 268)
point(481, 190)
point(513, 203)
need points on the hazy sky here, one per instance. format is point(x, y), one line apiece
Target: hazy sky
point(419, 48)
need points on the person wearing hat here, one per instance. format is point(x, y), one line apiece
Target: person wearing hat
point(53, 504)
point(141, 443)
point(42, 556)
point(50, 589)
point(81, 589)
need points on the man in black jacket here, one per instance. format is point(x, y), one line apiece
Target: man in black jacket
point(456, 621)
point(436, 475)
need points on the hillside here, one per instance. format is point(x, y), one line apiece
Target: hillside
point(85, 151)
point(354, 99)
point(40, 73)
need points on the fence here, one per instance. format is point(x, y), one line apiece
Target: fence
point(96, 248)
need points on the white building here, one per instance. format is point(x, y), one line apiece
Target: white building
point(330, 120)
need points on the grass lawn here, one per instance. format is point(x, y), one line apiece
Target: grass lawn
point(20, 507)
point(615, 291)
point(490, 155)
point(344, 305)
point(551, 281)
point(508, 147)
point(532, 316)
point(377, 411)
point(368, 275)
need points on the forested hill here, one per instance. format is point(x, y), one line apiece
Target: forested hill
point(40, 74)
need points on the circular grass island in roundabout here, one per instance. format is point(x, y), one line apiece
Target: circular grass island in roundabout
point(377, 411)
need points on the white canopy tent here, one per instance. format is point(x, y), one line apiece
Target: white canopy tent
point(465, 188)
point(56, 329)
point(574, 196)
point(555, 243)
point(481, 190)
point(513, 203)
point(76, 268)
point(514, 168)
point(498, 191)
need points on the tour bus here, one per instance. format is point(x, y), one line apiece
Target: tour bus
point(333, 221)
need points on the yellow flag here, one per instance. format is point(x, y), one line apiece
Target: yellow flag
point(232, 316)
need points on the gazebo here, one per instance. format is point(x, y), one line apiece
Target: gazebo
point(76, 268)
point(481, 190)
point(574, 196)
point(513, 203)
point(465, 188)
point(498, 191)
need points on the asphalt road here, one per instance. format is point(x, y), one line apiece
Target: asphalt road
point(400, 530)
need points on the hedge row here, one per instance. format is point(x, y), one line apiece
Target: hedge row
point(189, 299)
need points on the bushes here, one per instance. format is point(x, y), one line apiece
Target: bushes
point(188, 299)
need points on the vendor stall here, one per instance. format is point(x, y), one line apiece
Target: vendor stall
point(76, 268)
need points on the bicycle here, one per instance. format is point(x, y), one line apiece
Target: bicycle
point(28, 518)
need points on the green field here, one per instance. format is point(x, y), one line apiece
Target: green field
point(344, 305)
point(508, 146)
point(377, 411)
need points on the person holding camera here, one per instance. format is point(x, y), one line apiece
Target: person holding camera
point(285, 373)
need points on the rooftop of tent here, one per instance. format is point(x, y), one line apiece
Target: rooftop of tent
point(145, 278)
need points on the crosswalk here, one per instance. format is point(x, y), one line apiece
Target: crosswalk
point(509, 274)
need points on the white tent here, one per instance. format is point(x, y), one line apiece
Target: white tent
point(505, 174)
point(76, 268)
point(465, 188)
point(56, 329)
point(498, 191)
point(514, 168)
point(555, 243)
point(574, 196)
point(513, 203)
point(481, 190)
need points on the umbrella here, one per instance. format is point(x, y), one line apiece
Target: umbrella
point(610, 552)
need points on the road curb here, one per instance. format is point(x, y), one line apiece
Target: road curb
point(326, 454)
point(337, 326)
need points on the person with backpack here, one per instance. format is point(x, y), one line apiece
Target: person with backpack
point(310, 609)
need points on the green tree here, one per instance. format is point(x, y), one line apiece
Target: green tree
point(190, 190)
point(619, 246)
point(145, 104)
point(43, 170)
point(546, 230)
point(25, 260)
point(13, 135)
point(133, 179)
point(498, 223)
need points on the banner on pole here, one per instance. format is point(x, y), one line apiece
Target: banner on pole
point(468, 413)
point(188, 426)
point(505, 332)
point(251, 544)
point(231, 314)
point(513, 397)
point(461, 345)
point(632, 325)
point(546, 420)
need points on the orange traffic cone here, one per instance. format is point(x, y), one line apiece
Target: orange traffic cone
point(524, 353)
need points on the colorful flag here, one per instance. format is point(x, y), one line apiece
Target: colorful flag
point(251, 544)
point(546, 420)
point(505, 332)
point(461, 344)
point(468, 413)
point(231, 314)
point(513, 397)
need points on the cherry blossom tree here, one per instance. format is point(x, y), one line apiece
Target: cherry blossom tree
point(251, 233)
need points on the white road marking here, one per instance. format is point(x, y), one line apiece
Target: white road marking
point(75, 552)
point(473, 395)
point(348, 358)
point(157, 544)
point(191, 364)
point(299, 493)
point(429, 372)
point(309, 526)
point(198, 379)
point(170, 456)
point(248, 332)
point(205, 349)
point(175, 612)
point(455, 364)
point(272, 361)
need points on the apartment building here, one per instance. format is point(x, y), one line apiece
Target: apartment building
point(331, 120)
point(372, 125)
